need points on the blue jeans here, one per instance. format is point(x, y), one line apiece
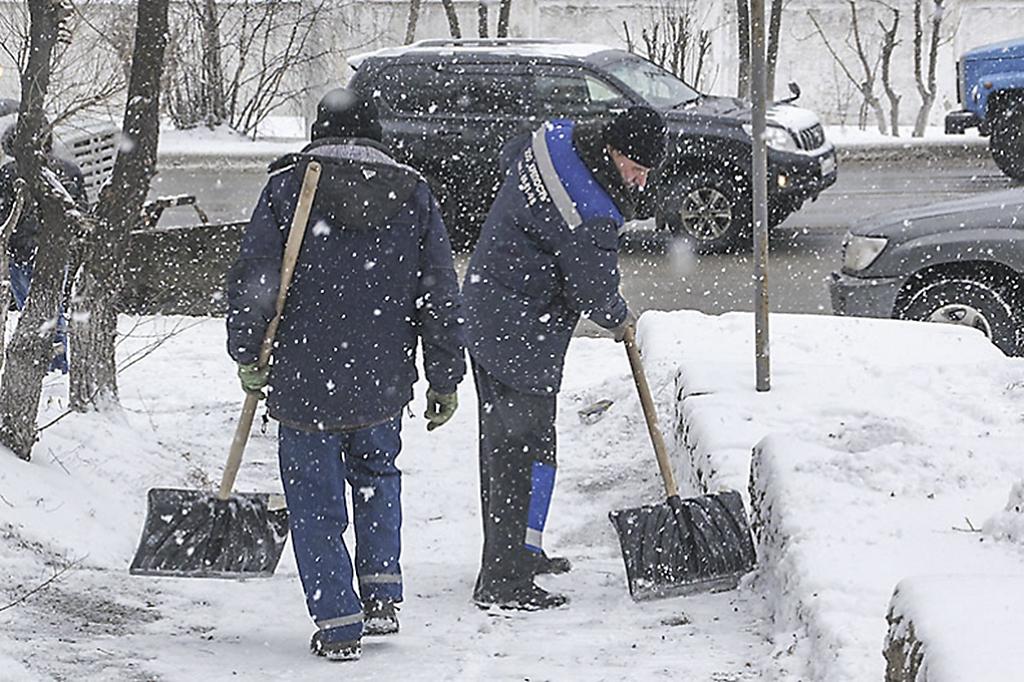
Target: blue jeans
point(21, 282)
point(314, 469)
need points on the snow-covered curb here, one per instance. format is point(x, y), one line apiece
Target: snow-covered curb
point(877, 440)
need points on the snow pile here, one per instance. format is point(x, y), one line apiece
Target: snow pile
point(982, 642)
point(1009, 523)
point(878, 443)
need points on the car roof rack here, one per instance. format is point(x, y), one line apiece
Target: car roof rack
point(483, 42)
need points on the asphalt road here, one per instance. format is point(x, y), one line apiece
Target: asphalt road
point(658, 273)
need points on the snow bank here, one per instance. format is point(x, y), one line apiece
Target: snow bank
point(982, 641)
point(876, 444)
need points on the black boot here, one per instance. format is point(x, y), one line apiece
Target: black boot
point(335, 651)
point(521, 597)
point(380, 617)
point(551, 565)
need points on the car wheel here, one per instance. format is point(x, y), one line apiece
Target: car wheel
point(1007, 141)
point(710, 209)
point(976, 303)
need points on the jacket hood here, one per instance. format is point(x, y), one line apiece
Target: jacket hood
point(368, 187)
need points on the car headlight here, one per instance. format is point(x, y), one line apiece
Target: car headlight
point(775, 137)
point(861, 252)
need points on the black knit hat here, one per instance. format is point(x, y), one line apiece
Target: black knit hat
point(345, 113)
point(639, 133)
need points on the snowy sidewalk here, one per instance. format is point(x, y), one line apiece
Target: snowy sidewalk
point(880, 448)
point(82, 500)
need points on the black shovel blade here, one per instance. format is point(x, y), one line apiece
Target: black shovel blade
point(195, 534)
point(685, 546)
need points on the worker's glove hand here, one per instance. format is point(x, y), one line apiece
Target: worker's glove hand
point(440, 408)
point(253, 378)
point(619, 332)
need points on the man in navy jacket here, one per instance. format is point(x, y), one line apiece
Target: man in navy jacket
point(374, 277)
point(548, 253)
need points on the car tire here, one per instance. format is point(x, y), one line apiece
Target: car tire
point(1007, 141)
point(708, 208)
point(979, 303)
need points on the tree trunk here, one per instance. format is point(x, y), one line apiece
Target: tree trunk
point(414, 19)
point(94, 326)
point(743, 48)
point(774, 36)
point(6, 228)
point(481, 18)
point(926, 88)
point(28, 357)
point(889, 43)
point(504, 12)
point(213, 75)
point(453, 18)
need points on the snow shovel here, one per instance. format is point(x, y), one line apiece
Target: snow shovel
point(197, 534)
point(682, 546)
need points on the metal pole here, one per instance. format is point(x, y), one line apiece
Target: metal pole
point(758, 88)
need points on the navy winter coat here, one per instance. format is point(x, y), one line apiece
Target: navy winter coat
point(374, 274)
point(548, 252)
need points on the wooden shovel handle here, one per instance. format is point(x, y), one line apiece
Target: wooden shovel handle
point(291, 255)
point(650, 414)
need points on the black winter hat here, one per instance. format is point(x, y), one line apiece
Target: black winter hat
point(639, 133)
point(346, 113)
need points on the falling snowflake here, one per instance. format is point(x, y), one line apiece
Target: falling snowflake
point(367, 493)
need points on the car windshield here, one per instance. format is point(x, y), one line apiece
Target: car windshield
point(660, 88)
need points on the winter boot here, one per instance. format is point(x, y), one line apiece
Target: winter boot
point(335, 651)
point(521, 597)
point(551, 565)
point(380, 617)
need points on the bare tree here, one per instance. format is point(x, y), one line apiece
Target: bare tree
point(774, 36)
point(83, 76)
point(865, 83)
point(481, 18)
point(889, 43)
point(453, 18)
point(94, 326)
point(414, 20)
point(260, 46)
point(504, 11)
point(676, 39)
point(28, 356)
point(926, 86)
point(743, 48)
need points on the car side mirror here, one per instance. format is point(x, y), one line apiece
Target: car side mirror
point(794, 91)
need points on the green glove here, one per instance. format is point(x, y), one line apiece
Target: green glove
point(253, 378)
point(440, 408)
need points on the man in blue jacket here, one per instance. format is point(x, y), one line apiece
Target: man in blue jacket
point(548, 253)
point(374, 277)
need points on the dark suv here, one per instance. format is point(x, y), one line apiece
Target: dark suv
point(448, 106)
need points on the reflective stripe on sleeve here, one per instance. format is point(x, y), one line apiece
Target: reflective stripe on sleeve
point(556, 189)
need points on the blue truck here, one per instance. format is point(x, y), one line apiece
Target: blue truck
point(990, 86)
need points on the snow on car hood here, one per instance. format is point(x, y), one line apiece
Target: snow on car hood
point(785, 115)
point(1003, 209)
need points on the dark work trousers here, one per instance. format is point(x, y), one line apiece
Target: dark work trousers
point(314, 469)
point(517, 476)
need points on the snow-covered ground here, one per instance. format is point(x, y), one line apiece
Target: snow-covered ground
point(881, 450)
point(850, 136)
point(81, 502)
